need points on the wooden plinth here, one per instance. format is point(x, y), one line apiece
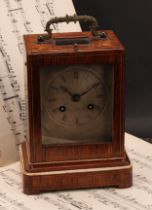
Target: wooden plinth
point(41, 179)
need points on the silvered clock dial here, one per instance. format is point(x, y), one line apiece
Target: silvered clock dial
point(75, 102)
point(75, 96)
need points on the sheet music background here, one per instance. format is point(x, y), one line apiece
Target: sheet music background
point(138, 197)
point(20, 17)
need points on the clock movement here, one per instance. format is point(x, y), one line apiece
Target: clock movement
point(75, 97)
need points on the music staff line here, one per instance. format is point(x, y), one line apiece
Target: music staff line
point(14, 25)
point(13, 202)
point(74, 201)
point(116, 199)
point(57, 203)
point(145, 157)
point(138, 185)
point(10, 95)
point(46, 12)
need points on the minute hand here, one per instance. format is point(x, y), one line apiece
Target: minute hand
point(92, 87)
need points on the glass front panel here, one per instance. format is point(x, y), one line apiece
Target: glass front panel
point(76, 104)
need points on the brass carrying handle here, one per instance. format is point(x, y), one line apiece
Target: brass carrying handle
point(74, 18)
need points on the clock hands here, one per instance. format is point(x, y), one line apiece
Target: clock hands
point(76, 96)
point(92, 87)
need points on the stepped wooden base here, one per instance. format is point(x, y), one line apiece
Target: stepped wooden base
point(39, 180)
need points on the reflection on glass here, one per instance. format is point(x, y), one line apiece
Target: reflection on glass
point(76, 104)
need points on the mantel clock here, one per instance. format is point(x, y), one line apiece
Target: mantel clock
point(75, 88)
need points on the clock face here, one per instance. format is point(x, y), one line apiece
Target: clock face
point(75, 97)
point(76, 104)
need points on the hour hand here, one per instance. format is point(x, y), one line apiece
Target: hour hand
point(66, 90)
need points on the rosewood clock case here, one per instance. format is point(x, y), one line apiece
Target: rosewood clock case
point(68, 149)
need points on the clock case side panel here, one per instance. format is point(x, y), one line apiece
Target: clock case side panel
point(119, 107)
point(40, 153)
point(33, 143)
